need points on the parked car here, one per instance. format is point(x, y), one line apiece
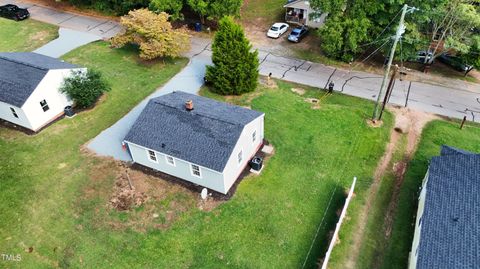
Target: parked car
point(422, 54)
point(277, 30)
point(298, 33)
point(455, 62)
point(13, 12)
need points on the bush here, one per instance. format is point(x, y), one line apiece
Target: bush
point(235, 66)
point(84, 88)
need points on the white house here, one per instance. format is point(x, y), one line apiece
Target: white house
point(205, 142)
point(29, 88)
point(447, 227)
point(300, 12)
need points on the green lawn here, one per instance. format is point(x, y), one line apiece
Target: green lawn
point(435, 134)
point(263, 11)
point(375, 250)
point(25, 35)
point(43, 176)
point(54, 195)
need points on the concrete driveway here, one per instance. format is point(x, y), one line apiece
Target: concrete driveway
point(96, 26)
point(67, 40)
point(190, 79)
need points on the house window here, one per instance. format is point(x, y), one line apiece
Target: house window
point(254, 136)
point(170, 160)
point(44, 105)
point(240, 157)
point(152, 156)
point(420, 221)
point(14, 112)
point(196, 170)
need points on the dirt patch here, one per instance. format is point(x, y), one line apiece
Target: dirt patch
point(298, 91)
point(126, 196)
point(416, 121)
point(314, 101)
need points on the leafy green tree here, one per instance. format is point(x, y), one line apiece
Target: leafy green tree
point(472, 57)
point(215, 9)
point(172, 7)
point(438, 26)
point(235, 66)
point(153, 33)
point(84, 88)
point(347, 26)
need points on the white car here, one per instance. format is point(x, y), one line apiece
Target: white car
point(277, 30)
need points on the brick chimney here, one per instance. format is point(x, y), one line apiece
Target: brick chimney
point(189, 105)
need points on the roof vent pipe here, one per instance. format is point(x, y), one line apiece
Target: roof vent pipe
point(189, 105)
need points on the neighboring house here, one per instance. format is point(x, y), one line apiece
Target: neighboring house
point(29, 88)
point(208, 145)
point(447, 228)
point(300, 12)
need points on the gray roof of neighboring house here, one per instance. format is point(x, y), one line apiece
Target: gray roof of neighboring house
point(21, 72)
point(301, 4)
point(450, 235)
point(205, 136)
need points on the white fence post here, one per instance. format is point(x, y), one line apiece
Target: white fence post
point(339, 223)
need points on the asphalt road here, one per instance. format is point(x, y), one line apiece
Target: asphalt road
point(456, 102)
point(92, 25)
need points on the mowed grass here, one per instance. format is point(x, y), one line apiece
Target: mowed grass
point(54, 195)
point(435, 134)
point(42, 176)
point(263, 11)
point(25, 35)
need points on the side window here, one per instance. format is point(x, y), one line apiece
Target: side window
point(195, 170)
point(152, 156)
point(240, 156)
point(170, 160)
point(44, 105)
point(14, 112)
point(254, 136)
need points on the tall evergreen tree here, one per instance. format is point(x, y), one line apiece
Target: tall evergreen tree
point(235, 66)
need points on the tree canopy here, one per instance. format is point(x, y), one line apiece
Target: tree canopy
point(437, 26)
point(153, 33)
point(215, 9)
point(235, 66)
point(172, 7)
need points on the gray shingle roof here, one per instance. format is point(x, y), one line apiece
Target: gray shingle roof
point(21, 72)
point(205, 136)
point(450, 235)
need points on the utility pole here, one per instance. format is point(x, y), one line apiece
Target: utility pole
point(398, 35)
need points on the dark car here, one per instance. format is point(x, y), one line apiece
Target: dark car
point(455, 62)
point(298, 33)
point(14, 12)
